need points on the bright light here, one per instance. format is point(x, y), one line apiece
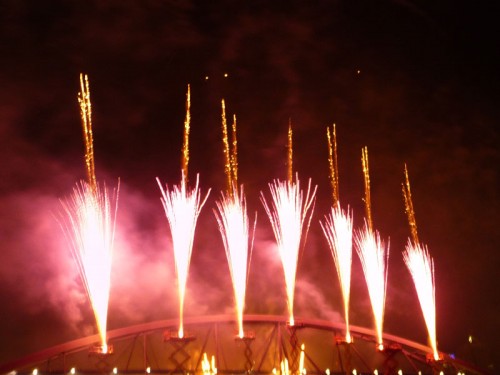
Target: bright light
point(115, 370)
point(73, 370)
point(289, 215)
point(148, 370)
point(470, 339)
point(354, 372)
point(35, 371)
point(327, 371)
point(375, 372)
point(421, 267)
point(90, 228)
point(338, 232)
point(182, 208)
point(400, 372)
point(374, 259)
point(233, 225)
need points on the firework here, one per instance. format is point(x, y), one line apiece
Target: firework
point(182, 207)
point(290, 216)
point(421, 267)
point(374, 258)
point(233, 224)
point(337, 229)
point(90, 224)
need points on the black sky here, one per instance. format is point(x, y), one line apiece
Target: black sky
point(416, 82)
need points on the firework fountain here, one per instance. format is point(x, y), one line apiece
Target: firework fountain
point(90, 225)
point(290, 216)
point(421, 266)
point(374, 258)
point(233, 224)
point(337, 228)
point(182, 207)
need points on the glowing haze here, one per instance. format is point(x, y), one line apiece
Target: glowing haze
point(289, 214)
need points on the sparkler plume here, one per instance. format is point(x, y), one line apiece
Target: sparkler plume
point(421, 267)
point(185, 143)
point(290, 216)
point(90, 228)
point(374, 257)
point(89, 225)
point(182, 207)
point(337, 229)
point(233, 224)
point(232, 219)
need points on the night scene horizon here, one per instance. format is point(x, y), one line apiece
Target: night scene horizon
point(210, 179)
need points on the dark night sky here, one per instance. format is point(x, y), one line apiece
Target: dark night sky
point(427, 94)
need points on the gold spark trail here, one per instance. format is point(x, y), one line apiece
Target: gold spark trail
point(86, 117)
point(290, 153)
point(421, 267)
point(232, 219)
point(366, 174)
point(90, 224)
point(185, 143)
point(337, 229)
point(410, 212)
point(332, 163)
point(374, 258)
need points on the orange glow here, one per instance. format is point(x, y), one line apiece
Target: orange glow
point(90, 227)
point(233, 225)
point(289, 215)
point(338, 231)
point(374, 258)
point(182, 207)
point(421, 267)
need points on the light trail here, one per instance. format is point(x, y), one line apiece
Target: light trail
point(421, 267)
point(337, 228)
point(374, 258)
point(182, 207)
point(289, 214)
